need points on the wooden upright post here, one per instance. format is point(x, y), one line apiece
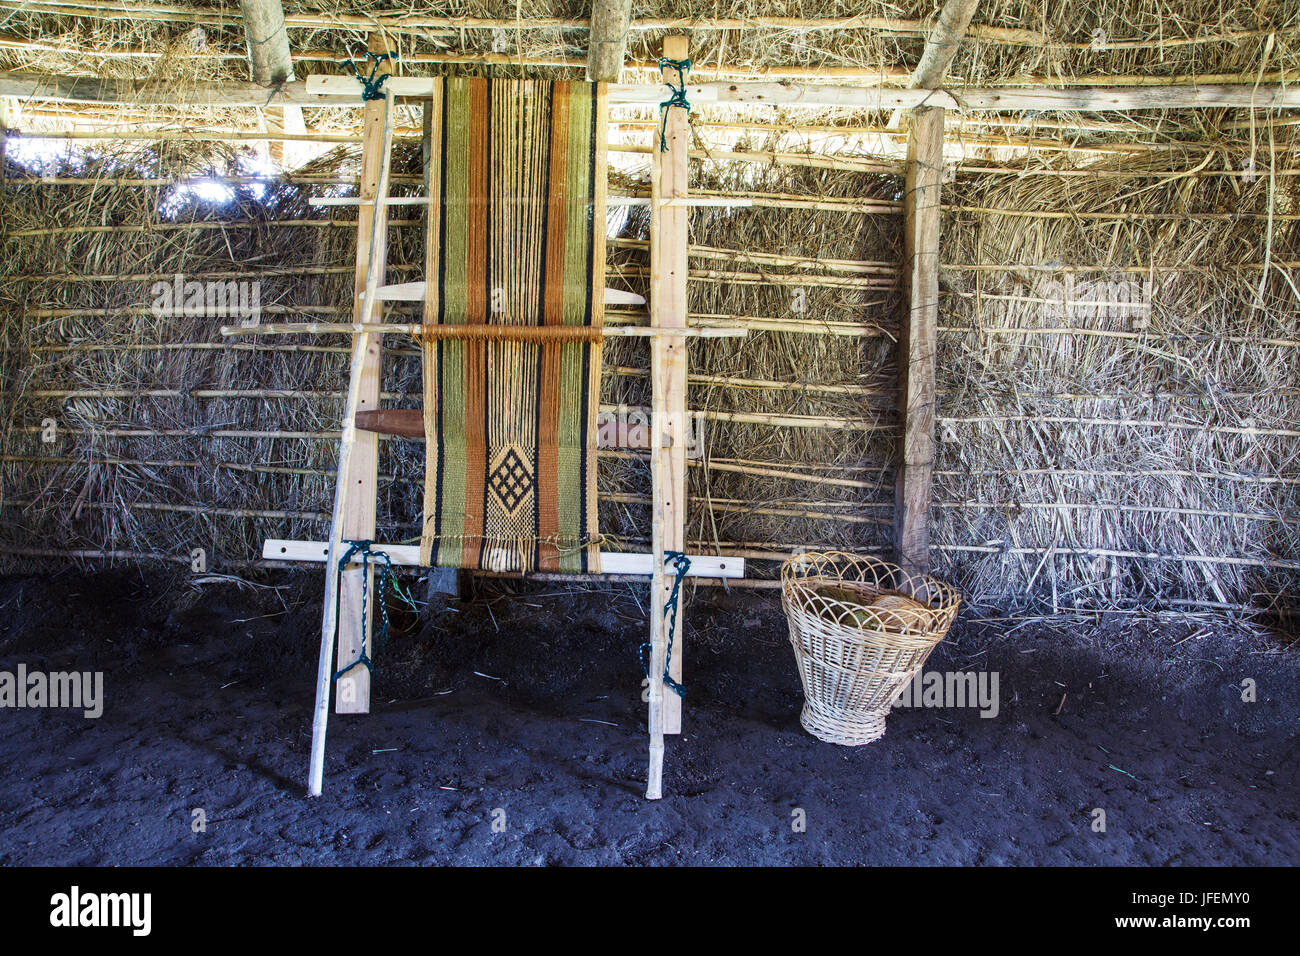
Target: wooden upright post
point(353, 694)
point(916, 365)
point(362, 358)
point(668, 272)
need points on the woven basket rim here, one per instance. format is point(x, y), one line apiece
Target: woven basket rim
point(790, 572)
point(916, 628)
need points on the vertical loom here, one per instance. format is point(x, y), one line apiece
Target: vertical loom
point(350, 587)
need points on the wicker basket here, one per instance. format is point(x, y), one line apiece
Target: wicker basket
point(856, 658)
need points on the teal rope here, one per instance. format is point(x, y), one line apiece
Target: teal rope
point(681, 564)
point(372, 85)
point(678, 97)
point(386, 581)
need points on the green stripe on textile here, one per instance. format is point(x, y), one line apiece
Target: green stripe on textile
point(456, 166)
point(577, 288)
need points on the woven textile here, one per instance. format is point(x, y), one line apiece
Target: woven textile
point(516, 236)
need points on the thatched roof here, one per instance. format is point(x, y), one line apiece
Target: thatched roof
point(1020, 44)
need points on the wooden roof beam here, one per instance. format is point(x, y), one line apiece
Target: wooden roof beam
point(335, 91)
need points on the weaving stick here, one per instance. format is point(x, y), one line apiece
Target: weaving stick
point(512, 333)
point(325, 670)
point(524, 333)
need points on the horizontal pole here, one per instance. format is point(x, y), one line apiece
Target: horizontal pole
point(1089, 99)
point(523, 331)
point(415, 292)
point(357, 201)
point(702, 565)
point(335, 91)
point(689, 202)
point(402, 21)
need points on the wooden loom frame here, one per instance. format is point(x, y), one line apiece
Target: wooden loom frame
point(355, 499)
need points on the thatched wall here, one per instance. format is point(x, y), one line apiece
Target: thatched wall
point(1139, 454)
point(1119, 385)
point(171, 438)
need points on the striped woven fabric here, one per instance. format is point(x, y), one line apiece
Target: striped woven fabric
point(516, 236)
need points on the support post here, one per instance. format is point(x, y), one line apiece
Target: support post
point(271, 65)
point(916, 363)
point(607, 43)
point(363, 472)
point(362, 358)
point(668, 273)
point(942, 44)
point(940, 48)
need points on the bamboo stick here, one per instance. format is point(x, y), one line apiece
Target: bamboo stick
point(852, 206)
point(1123, 423)
point(753, 509)
point(1124, 216)
point(729, 381)
point(763, 470)
point(734, 505)
point(750, 418)
point(722, 381)
point(1218, 269)
point(865, 266)
point(698, 275)
point(214, 434)
point(1133, 473)
point(1022, 171)
point(1117, 509)
point(717, 276)
point(520, 333)
point(187, 136)
point(811, 160)
point(807, 326)
point(789, 421)
point(1114, 334)
point(1106, 553)
point(758, 469)
point(213, 510)
point(283, 179)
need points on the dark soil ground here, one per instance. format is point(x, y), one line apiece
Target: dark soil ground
point(525, 708)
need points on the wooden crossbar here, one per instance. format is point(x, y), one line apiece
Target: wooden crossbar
point(611, 562)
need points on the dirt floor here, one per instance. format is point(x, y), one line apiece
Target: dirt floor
point(508, 729)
